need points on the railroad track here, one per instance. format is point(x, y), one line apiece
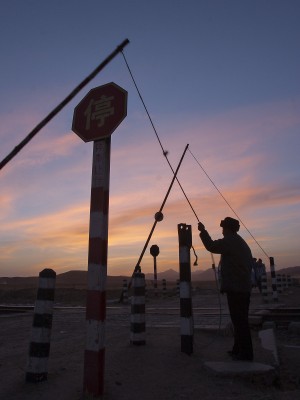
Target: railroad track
point(202, 315)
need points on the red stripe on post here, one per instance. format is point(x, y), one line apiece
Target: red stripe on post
point(95, 305)
point(97, 251)
point(93, 373)
point(99, 199)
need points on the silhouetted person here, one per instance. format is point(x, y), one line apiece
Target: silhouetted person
point(253, 273)
point(259, 269)
point(236, 264)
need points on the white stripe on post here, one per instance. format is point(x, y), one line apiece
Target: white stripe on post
point(185, 290)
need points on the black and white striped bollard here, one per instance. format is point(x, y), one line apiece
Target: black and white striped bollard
point(137, 318)
point(186, 312)
point(39, 348)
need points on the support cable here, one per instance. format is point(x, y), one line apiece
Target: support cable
point(57, 109)
point(226, 201)
point(165, 152)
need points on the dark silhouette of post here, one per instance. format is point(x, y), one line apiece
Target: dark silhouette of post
point(264, 287)
point(137, 317)
point(125, 291)
point(154, 251)
point(274, 283)
point(186, 312)
point(39, 349)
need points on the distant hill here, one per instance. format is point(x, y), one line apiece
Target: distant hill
point(75, 279)
point(168, 275)
point(172, 276)
point(293, 271)
point(78, 279)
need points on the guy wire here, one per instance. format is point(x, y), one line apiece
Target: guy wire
point(165, 152)
point(215, 186)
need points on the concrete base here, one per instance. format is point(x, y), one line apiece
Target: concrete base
point(238, 368)
point(268, 341)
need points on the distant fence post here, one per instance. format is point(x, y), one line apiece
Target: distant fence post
point(186, 312)
point(39, 348)
point(125, 291)
point(285, 285)
point(164, 288)
point(273, 277)
point(154, 251)
point(279, 282)
point(137, 318)
point(264, 287)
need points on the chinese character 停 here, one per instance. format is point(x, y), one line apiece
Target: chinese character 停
point(98, 110)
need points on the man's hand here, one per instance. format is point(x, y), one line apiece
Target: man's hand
point(201, 227)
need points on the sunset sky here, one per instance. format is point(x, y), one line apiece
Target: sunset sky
point(219, 75)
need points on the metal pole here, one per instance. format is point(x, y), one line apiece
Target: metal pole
point(155, 275)
point(154, 251)
point(94, 356)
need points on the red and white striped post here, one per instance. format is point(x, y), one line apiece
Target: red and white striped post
point(94, 356)
point(95, 118)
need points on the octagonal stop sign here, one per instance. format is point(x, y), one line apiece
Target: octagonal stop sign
point(100, 112)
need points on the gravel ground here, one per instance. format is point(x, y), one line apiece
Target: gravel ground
point(157, 370)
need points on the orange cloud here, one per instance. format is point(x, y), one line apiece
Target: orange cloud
point(228, 147)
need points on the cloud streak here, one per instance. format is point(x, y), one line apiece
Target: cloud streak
point(53, 188)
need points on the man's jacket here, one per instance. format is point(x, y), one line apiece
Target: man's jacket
point(236, 261)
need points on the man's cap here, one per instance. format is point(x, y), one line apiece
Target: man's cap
point(230, 223)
